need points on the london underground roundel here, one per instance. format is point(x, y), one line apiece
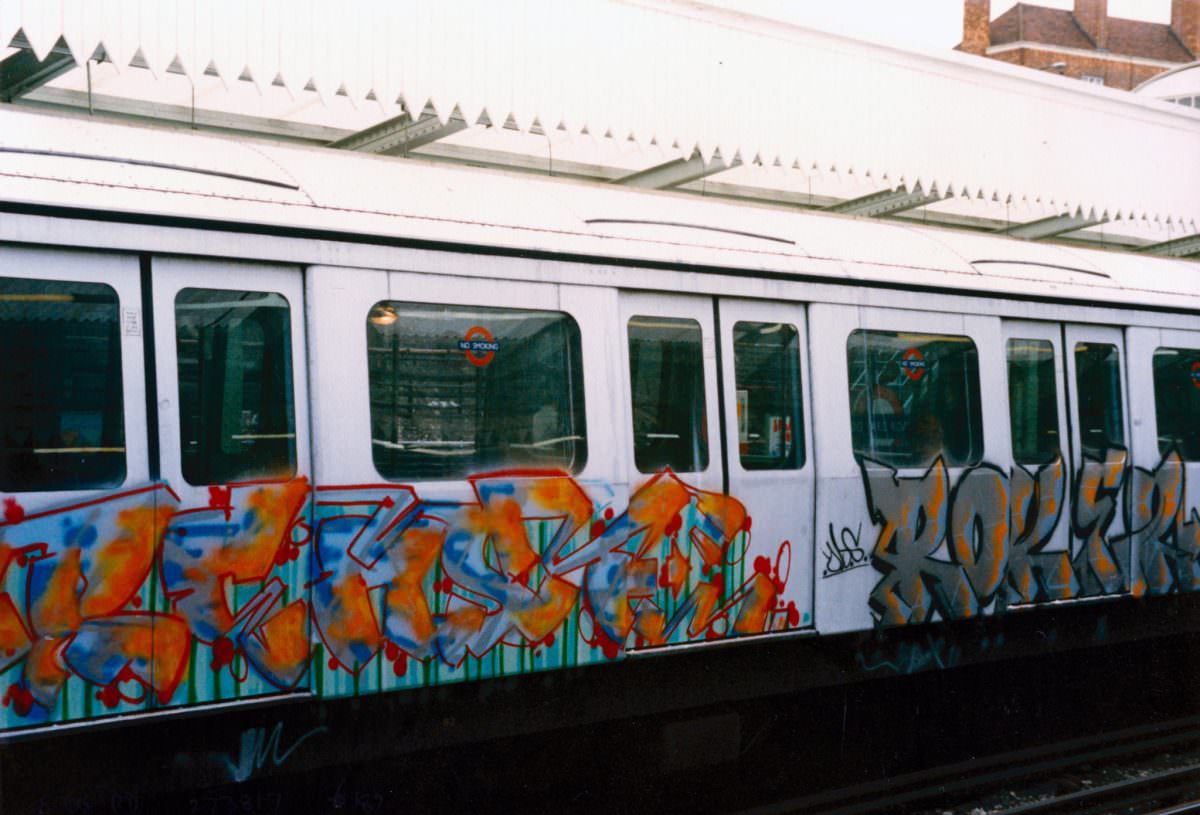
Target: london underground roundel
point(913, 364)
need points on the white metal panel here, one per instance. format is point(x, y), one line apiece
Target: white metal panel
point(780, 501)
point(170, 276)
point(594, 317)
point(395, 199)
point(121, 272)
point(339, 301)
point(842, 602)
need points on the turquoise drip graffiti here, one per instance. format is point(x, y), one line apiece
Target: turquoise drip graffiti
point(137, 601)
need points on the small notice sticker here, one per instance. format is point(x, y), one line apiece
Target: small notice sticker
point(131, 321)
point(479, 346)
point(1196, 374)
point(913, 364)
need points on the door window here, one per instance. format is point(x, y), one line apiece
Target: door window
point(61, 408)
point(1032, 401)
point(236, 417)
point(1177, 400)
point(666, 372)
point(1098, 389)
point(766, 363)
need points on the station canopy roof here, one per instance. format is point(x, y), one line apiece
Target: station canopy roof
point(668, 94)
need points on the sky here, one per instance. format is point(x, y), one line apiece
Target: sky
point(925, 25)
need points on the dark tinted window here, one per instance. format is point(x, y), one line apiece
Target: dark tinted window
point(236, 418)
point(457, 390)
point(1098, 392)
point(766, 363)
point(666, 373)
point(1032, 401)
point(914, 397)
point(61, 408)
point(1177, 400)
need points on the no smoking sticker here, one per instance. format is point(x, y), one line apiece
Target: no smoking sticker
point(913, 364)
point(479, 346)
point(1196, 374)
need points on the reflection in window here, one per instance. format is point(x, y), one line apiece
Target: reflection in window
point(236, 418)
point(1177, 400)
point(766, 362)
point(1098, 392)
point(914, 397)
point(1032, 401)
point(61, 408)
point(666, 372)
point(457, 390)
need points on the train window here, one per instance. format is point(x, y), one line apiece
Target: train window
point(1032, 401)
point(1177, 400)
point(1098, 389)
point(766, 364)
point(62, 424)
point(914, 397)
point(236, 417)
point(666, 373)
point(460, 389)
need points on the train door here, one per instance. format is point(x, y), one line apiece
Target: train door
point(1100, 455)
point(696, 577)
point(1164, 390)
point(912, 512)
point(1040, 470)
point(76, 577)
point(764, 371)
point(234, 450)
point(465, 452)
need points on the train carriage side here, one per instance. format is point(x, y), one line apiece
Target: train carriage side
point(336, 464)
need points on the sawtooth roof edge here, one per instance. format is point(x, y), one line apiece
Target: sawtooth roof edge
point(685, 72)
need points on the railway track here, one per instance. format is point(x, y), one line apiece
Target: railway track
point(1047, 780)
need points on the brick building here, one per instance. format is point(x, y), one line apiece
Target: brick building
point(1085, 42)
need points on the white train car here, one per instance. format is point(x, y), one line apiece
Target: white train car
point(280, 420)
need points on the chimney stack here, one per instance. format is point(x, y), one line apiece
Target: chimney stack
point(1185, 22)
point(1092, 16)
point(977, 35)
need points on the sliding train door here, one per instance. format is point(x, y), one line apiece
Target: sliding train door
point(1164, 392)
point(76, 558)
point(234, 452)
point(764, 375)
point(1100, 455)
point(1040, 469)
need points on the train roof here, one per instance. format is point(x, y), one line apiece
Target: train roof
point(61, 163)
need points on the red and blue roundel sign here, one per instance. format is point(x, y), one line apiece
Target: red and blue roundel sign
point(913, 364)
point(1196, 374)
point(479, 346)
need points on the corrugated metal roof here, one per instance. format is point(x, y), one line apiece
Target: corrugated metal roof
point(674, 76)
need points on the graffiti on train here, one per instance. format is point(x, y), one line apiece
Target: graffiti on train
point(133, 600)
point(951, 551)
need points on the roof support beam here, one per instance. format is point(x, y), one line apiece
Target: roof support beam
point(676, 172)
point(1177, 248)
point(401, 133)
point(1049, 227)
point(23, 72)
point(140, 110)
point(885, 202)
